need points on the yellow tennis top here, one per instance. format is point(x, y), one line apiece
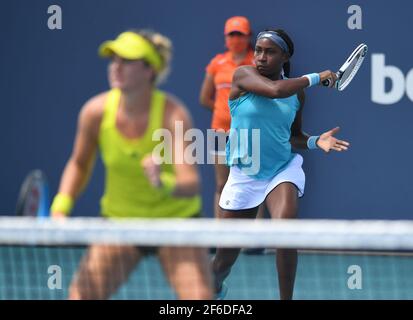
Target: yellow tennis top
point(128, 193)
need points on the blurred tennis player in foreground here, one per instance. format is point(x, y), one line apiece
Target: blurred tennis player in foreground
point(261, 98)
point(120, 124)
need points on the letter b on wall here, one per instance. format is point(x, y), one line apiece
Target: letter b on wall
point(380, 72)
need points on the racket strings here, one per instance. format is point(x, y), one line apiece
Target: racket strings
point(350, 72)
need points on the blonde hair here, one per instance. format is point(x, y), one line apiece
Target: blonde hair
point(163, 45)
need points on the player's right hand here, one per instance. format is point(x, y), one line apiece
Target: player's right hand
point(152, 170)
point(328, 75)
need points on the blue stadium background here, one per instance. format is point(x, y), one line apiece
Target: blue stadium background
point(47, 75)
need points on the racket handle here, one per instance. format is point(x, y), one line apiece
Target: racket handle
point(326, 82)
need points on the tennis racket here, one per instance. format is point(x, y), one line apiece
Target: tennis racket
point(33, 198)
point(349, 69)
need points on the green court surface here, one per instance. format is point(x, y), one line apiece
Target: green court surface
point(24, 275)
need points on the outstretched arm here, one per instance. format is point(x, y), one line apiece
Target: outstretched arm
point(326, 141)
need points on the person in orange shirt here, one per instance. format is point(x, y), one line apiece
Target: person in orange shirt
point(215, 91)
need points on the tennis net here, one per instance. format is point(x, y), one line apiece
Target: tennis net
point(337, 259)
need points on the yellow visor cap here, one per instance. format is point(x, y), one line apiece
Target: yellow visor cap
point(131, 46)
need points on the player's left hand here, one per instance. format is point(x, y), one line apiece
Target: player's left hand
point(328, 142)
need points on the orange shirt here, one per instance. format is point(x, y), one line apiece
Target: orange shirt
point(222, 68)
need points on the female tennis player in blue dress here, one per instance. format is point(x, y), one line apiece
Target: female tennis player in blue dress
point(262, 166)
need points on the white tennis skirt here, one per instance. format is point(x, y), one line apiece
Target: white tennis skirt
point(243, 192)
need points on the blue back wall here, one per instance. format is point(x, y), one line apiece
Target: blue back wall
point(47, 75)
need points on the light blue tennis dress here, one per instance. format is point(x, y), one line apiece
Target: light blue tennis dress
point(259, 150)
